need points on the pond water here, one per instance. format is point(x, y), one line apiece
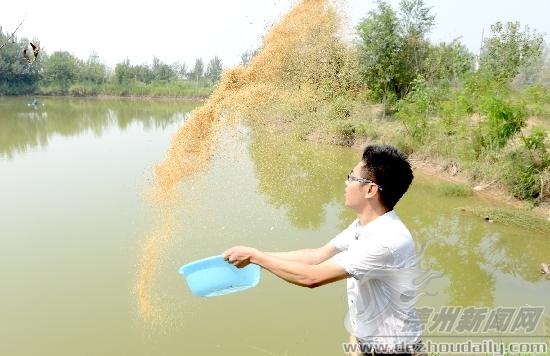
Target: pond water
point(73, 174)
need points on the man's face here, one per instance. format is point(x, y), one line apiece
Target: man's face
point(355, 191)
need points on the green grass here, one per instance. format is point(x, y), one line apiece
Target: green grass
point(181, 88)
point(514, 217)
point(455, 190)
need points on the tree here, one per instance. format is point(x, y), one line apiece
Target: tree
point(508, 49)
point(447, 62)
point(536, 72)
point(143, 73)
point(162, 71)
point(214, 69)
point(416, 19)
point(183, 71)
point(393, 49)
point(246, 57)
point(380, 52)
point(16, 75)
point(123, 72)
point(198, 70)
point(416, 22)
point(180, 70)
point(93, 70)
point(61, 68)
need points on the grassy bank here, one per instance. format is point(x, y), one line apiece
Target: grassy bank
point(175, 89)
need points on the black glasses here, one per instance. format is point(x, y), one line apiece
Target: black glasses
point(352, 178)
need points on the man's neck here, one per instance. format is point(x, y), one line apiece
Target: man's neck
point(370, 213)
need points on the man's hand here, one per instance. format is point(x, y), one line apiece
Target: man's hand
point(240, 256)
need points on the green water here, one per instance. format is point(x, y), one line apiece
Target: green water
point(73, 215)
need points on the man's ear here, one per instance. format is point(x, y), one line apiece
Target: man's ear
point(368, 191)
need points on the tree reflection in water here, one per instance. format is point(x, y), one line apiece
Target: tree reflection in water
point(23, 128)
point(299, 176)
point(304, 178)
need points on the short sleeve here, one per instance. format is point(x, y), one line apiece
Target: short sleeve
point(342, 240)
point(365, 258)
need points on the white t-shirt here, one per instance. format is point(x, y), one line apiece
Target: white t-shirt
point(381, 295)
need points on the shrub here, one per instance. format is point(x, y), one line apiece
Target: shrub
point(452, 112)
point(502, 121)
point(340, 108)
point(416, 108)
point(535, 141)
point(537, 99)
point(82, 90)
point(346, 131)
point(522, 178)
point(528, 166)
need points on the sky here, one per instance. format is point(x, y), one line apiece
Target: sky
point(185, 30)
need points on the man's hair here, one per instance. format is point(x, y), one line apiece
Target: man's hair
point(390, 169)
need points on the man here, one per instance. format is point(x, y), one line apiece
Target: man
point(375, 253)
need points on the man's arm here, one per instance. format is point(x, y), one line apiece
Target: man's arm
point(298, 273)
point(312, 256)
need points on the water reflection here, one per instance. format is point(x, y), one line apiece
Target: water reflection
point(298, 176)
point(518, 253)
point(23, 127)
point(473, 255)
point(453, 247)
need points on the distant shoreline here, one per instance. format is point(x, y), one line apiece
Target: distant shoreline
point(112, 96)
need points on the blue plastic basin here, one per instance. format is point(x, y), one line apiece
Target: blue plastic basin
point(214, 276)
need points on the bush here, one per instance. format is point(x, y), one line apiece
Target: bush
point(367, 129)
point(83, 90)
point(479, 86)
point(537, 94)
point(523, 179)
point(502, 121)
point(405, 144)
point(528, 166)
point(346, 131)
point(340, 108)
point(535, 141)
point(453, 113)
point(537, 99)
point(415, 110)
